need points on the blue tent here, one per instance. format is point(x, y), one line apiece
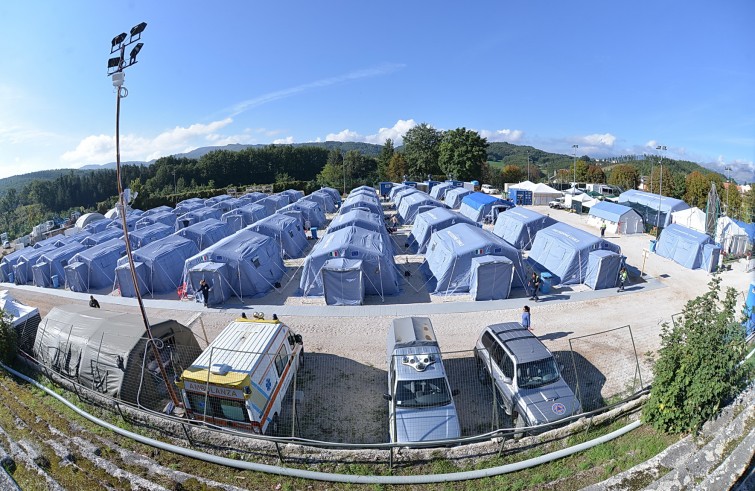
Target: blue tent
point(94, 268)
point(358, 218)
point(450, 253)
point(101, 237)
point(396, 189)
point(252, 197)
point(269, 204)
point(431, 221)
point(216, 275)
point(369, 189)
point(188, 205)
point(411, 205)
point(688, 248)
point(287, 232)
point(7, 263)
point(364, 194)
point(206, 233)
point(157, 210)
point(603, 269)
point(22, 270)
point(564, 251)
point(401, 195)
point(749, 229)
point(439, 190)
point(518, 226)
point(228, 204)
point(244, 216)
point(79, 237)
point(143, 236)
point(159, 266)
point(55, 241)
point(343, 281)
point(477, 206)
point(648, 205)
point(49, 269)
point(491, 277)
point(310, 210)
point(253, 263)
point(324, 199)
point(131, 220)
point(196, 216)
point(216, 199)
point(354, 243)
point(98, 226)
point(454, 196)
point(362, 201)
point(165, 217)
point(294, 195)
point(335, 194)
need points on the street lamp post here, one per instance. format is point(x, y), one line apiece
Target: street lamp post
point(574, 148)
point(115, 67)
point(728, 185)
point(662, 148)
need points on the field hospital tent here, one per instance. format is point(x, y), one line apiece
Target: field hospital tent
point(206, 233)
point(518, 226)
point(188, 205)
point(439, 190)
point(324, 199)
point(146, 235)
point(88, 218)
point(564, 251)
point(343, 281)
point(158, 266)
point(94, 268)
point(415, 203)
point(310, 210)
point(449, 260)
point(618, 218)
point(286, 231)
point(649, 204)
point(101, 237)
point(196, 216)
point(603, 269)
point(431, 221)
point(691, 249)
point(23, 319)
point(454, 196)
point(8, 262)
point(378, 268)
point(253, 266)
point(164, 217)
point(107, 352)
point(244, 216)
point(693, 218)
point(362, 201)
point(48, 271)
point(335, 194)
point(98, 226)
point(542, 194)
point(476, 206)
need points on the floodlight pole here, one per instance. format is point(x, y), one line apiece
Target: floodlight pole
point(528, 165)
point(118, 78)
point(574, 148)
point(662, 148)
point(728, 185)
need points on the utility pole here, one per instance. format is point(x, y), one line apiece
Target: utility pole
point(728, 185)
point(574, 148)
point(662, 148)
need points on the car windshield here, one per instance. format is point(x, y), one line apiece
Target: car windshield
point(536, 373)
point(422, 393)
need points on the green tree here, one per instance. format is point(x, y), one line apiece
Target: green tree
point(512, 174)
point(626, 176)
point(697, 188)
point(679, 188)
point(595, 174)
point(461, 153)
point(698, 363)
point(331, 176)
point(397, 167)
point(359, 169)
point(421, 151)
point(656, 182)
point(386, 153)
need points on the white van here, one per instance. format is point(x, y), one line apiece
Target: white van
point(241, 378)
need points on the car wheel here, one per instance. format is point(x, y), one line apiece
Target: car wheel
point(482, 373)
point(519, 423)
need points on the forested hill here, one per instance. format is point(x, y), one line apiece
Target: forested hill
point(368, 149)
point(18, 182)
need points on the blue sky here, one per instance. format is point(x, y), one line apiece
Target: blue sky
point(612, 77)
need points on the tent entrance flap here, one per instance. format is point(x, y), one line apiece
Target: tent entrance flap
point(343, 281)
point(491, 278)
point(216, 276)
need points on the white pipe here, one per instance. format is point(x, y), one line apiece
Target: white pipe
point(328, 476)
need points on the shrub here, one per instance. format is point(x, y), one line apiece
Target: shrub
point(697, 369)
point(8, 339)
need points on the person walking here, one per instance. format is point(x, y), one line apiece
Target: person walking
point(204, 289)
point(535, 285)
point(526, 318)
point(93, 302)
point(603, 229)
point(623, 275)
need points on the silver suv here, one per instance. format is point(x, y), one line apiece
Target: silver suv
point(529, 385)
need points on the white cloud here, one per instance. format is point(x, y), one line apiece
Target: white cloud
point(344, 136)
point(284, 141)
point(598, 140)
point(395, 133)
point(506, 135)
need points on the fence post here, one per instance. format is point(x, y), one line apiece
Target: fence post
point(636, 360)
point(576, 376)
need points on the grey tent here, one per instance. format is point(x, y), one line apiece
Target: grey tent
point(148, 234)
point(244, 216)
point(294, 195)
point(196, 216)
point(403, 194)
point(157, 210)
point(395, 189)
point(217, 277)
point(22, 270)
point(518, 226)
point(98, 226)
point(287, 232)
point(108, 352)
point(439, 190)
point(159, 266)
point(8, 262)
point(359, 218)
point(343, 281)
point(491, 277)
point(324, 199)
point(227, 205)
point(335, 194)
point(206, 233)
point(603, 269)
point(101, 237)
point(413, 204)
point(131, 220)
point(48, 271)
point(454, 196)
point(310, 211)
point(94, 268)
point(431, 221)
point(271, 204)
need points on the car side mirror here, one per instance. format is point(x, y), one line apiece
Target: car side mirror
point(507, 380)
point(455, 392)
point(387, 397)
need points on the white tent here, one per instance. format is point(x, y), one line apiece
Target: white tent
point(693, 218)
point(585, 199)
point(732, 237)
point(23, 319)
point(542, 194)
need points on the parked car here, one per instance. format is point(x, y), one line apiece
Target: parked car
point(420, 401)
point(557, 203)
point(488, 189)
point(528, 383)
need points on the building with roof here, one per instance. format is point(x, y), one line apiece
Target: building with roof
point(619, 219)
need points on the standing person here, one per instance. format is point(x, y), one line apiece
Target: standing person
point(603, 229)
point(526, 318)
point(535, 285)
point(204, 289)
point(394, 223)
point(93, 302)
point(623, 275)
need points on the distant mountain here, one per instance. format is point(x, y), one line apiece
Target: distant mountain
point(112, 165)
point(22, 180)
point(366, 148)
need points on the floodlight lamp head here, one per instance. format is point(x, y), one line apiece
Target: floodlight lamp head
point(134, 52)
point(136, 31)
point(114, 62)
point(117, 41)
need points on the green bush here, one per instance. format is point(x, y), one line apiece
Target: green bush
point(698, 368)
point(8, 339)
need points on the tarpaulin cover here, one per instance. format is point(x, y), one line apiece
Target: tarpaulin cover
point(94, 268)
point(23, 319)
point(380, 275)
point(216, 275)
point(196, 216)
point(451, 250)
point(165, 217)
point(146, 235)
point(324, 199)
point(649, 204)
point(227, 205)
point(105, 351)
point(343, 281)
point(477, 206)
point(101, 237)
point(98, 226)
point(53, 262)
point(563, 251)
point(335, 194)
point(206, 233)
point(362, 201)
point(686, 247)
point(410, 206)
point(618, 218)
point(310, 210)
point(454, 196)
point(253, 262)
point(518, 226)
point(431, 221)
point(163, 262)
point(491, 278)
point(244, 216)
point(287, 232)
point(439, 190)
point(603, 269)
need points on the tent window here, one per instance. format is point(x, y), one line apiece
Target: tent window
point(354, 253)
point(256, 262)
point(497, 250)
point(291, 234)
